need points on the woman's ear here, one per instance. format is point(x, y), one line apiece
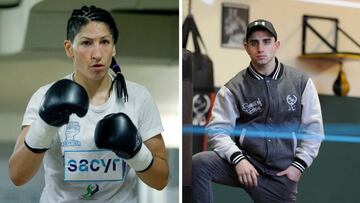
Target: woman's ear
point(114, 52)
point(68, 49)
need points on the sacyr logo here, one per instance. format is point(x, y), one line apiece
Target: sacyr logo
point(84, 165)
point(93, 165)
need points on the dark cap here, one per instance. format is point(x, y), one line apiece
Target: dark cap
point(260, 24)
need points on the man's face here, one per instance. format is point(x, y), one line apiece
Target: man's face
point(261, 47)
point(91, 51)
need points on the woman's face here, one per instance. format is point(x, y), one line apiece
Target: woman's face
point(91, 51)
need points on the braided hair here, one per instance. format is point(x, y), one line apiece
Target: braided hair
point(80, 18)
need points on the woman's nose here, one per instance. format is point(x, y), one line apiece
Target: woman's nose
point(96, 52)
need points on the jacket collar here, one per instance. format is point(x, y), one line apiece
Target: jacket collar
point(274, 75)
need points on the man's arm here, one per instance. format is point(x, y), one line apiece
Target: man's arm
point(311, 128)
point(219, 129)
point(310, 135)
point(221, 124)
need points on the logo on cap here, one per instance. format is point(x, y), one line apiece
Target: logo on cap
point(260, 23)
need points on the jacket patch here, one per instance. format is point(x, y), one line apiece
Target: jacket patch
point(291, 99)
point(253, 107)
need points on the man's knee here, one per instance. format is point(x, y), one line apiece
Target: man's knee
point(198, 161)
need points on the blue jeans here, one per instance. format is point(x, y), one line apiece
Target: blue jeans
point(208, 167)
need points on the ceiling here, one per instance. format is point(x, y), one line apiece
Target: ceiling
point(9, 3)
point(148, 28)
point(341, 3)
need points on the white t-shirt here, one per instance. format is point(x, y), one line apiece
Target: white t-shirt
point(75, 169)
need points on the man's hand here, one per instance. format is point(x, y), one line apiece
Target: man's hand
point(292, 173)
point(247, 173)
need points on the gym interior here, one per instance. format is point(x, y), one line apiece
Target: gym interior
point(334, 173)
point(32, 55)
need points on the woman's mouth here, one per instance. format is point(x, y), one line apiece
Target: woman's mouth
point(98, 67)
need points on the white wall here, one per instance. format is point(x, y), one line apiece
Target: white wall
point(286, 15)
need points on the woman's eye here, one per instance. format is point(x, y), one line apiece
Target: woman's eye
point(105, 41)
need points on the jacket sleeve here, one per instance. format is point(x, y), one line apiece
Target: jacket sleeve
point(311, 129)
point(221, 125)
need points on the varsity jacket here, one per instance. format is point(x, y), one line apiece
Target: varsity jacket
point(273, 121)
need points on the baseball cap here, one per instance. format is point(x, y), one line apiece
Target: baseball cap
point(260, 24)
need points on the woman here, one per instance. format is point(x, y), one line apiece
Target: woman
point(75, 125)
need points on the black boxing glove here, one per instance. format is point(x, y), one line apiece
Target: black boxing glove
point(116, 132)
point(62, 99)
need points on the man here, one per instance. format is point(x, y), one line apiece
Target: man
point(274, 114)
